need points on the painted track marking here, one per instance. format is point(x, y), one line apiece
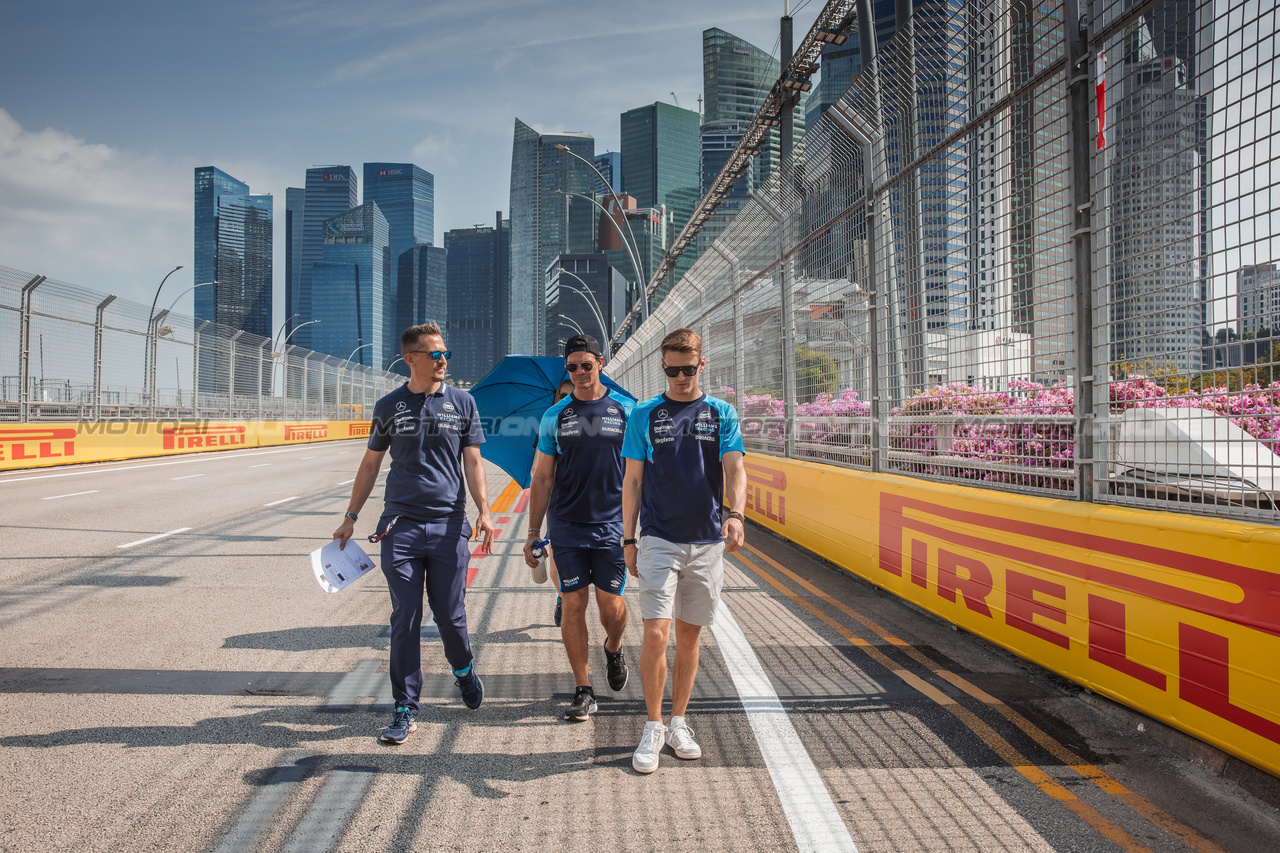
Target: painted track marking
point(154, 538)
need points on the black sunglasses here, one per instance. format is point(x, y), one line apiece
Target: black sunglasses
point(436, 354)
point(686, 369)
point(575, 366)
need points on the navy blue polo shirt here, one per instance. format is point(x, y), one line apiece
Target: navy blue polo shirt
point(586, 439)
point(425, 434)
point(681, 445)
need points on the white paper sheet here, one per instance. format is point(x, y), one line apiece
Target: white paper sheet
point(336, 569)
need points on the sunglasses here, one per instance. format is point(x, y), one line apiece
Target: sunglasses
point(686, 369)
point(436, 354)
point(575, 366)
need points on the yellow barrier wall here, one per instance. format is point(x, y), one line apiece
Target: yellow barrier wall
point(39, 445)
point(1175, 616)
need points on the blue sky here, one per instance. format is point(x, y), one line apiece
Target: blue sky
point(106, 108)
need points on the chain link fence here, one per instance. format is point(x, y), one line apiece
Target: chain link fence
point(961, 276)
point(68, 353)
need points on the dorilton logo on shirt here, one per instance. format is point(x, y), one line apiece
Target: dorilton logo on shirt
point(305, 432)
point(187, 437)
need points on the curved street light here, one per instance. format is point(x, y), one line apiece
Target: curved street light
point(284, 376)
point(169, 310)
point(151, 317)
point(633, 249)
point(352, 384)
point(573, 324)
point(587, 295)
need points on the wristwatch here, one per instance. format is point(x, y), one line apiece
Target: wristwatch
point(351, 515)
point(626, 542)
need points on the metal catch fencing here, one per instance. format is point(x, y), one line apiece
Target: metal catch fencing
point(68, 353)
point(960, 275)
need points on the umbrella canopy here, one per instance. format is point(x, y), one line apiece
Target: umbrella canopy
point(511, 400)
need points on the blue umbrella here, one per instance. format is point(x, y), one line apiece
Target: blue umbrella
point(511, 400)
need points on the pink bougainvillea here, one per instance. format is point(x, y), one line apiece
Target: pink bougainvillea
point(1029, 445)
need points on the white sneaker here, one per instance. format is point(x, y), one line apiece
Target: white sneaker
point(680, 739)
point(645, 758)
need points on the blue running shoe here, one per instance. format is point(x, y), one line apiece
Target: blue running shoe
point(472, 689)
point(403, 724)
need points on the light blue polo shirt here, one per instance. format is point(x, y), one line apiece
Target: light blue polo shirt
point(681, 445)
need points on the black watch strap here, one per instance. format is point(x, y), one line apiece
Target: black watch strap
point(351, 515)
point(626, 542)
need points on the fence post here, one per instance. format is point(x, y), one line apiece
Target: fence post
point(97, 356)
point(261, 350)
point(231, 384)
point(154, 333)
point(195, 371)
point(306, 364)
point(739, 343)
point(1075, 37)
point(788, 329)
point(24, 350)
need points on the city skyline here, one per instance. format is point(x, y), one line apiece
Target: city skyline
point(105, 145)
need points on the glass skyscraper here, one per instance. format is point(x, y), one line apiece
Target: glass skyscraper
point(350, 291)
point(544, 224)
point(660, 168)
point(330, 191)
point(718, 139)
point(406, 195)
point(610, 165)
point(477, 280)
point(736, 77)
point(233, 244)
point(420, 294)
point(294, 213)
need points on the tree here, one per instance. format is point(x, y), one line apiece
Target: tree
point(816, 373)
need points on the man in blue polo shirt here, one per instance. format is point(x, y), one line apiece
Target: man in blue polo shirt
point(579, 454)
point(683, 452)
point(434, 435)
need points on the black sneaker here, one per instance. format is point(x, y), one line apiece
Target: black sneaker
point(557, 611)
point(403, 724)
point(617, 669)
point(472, 688)
point(583, 705)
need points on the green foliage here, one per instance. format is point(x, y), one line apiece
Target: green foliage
point(816, 373)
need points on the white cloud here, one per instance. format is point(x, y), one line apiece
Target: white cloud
point(89, 213)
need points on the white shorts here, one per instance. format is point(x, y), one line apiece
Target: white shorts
point(680, 581)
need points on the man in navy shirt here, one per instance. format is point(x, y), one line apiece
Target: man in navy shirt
point(580, 455)
point(434, 435)
point(682, 449)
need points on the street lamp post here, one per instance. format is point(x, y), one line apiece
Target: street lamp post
point(151, 313)
point(633, 248)
point(284, 374)
point(573, 324)
point(644, 290)
point(590, 298)
point(346, 362)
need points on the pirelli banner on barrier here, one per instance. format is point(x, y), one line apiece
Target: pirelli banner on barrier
point(37, 445)
point(1173, 615)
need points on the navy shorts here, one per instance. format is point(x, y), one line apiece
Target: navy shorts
point(580, 567)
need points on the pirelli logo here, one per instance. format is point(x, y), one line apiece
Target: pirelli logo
point(1194, 608)
point(305, 432)
point(203, 437)
point(36, 443)
point(358, 429)
point(766, 491)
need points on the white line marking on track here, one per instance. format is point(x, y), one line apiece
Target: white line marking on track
point(260, 465)
point(72, 495)
point(154, 538)
point(347, 482)
point(188, 476)
point(815, 823)
point(307, 457)
point(282, 500)
point(103, 468)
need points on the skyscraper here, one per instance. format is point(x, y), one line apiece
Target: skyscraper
point(420, 294)
point(1258, 300)
point(295, 199)
point(544, 224)
point(736, 77)
point(406, 195)
point(610, 165)
point(718, 139)
point(477, 281)
point(585, 296)
point(330, 191)
point(350, 293)
point(233, 245)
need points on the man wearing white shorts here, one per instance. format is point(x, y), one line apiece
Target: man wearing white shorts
point(683, 452)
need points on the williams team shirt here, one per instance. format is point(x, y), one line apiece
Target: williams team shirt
point(681, 445)
point(586, 438)
point(425, 434)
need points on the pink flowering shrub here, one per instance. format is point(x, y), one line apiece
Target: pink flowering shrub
point(1029, 446)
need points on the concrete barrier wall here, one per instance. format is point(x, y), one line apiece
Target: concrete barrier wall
point(44, 444)
point(1176, 616)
